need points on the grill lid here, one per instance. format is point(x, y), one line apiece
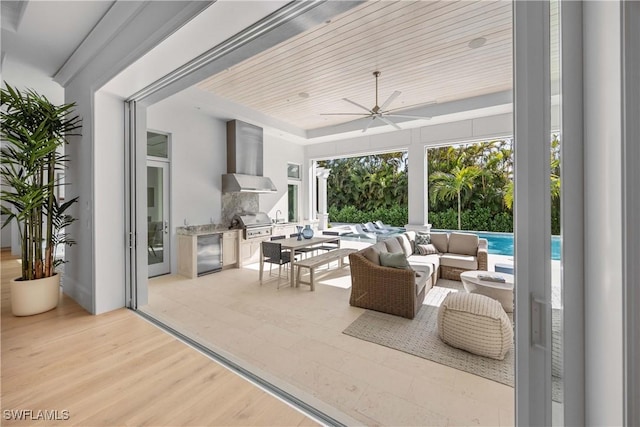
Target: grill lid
point(251, 219)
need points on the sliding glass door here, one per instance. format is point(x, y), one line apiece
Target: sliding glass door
point(158, 238)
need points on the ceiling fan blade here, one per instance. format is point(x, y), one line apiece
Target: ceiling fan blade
point(390, 99)
point(345, 114)
point(368, 124)
point(405, 107)
point(406, 116)
point(389, 122)
point(356, 104)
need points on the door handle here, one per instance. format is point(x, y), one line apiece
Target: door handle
point(166, 226)
point(539, 311)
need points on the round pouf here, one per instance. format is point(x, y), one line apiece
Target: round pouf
point(475, 323)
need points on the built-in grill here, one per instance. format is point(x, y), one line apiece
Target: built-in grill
point(253, 224)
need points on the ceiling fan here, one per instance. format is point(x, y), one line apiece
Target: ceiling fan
point(378, 112)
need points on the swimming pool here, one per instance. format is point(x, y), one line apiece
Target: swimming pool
point(502, 243)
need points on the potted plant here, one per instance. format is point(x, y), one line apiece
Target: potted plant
point(32, 131)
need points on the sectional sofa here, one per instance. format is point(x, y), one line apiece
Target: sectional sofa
point(383, 283)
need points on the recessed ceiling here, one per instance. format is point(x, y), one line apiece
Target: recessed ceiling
point(421, 49)
point(43, 34)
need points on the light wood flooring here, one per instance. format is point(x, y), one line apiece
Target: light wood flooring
point(117, 369)
point(293, 337)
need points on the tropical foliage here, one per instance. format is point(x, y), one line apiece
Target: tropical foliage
point(369, 182)
point(451, 185)
point(33, 129)
point(470, 187)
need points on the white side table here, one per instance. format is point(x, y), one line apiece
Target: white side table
point(503, 292)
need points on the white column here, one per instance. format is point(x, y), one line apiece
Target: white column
point(323, 215)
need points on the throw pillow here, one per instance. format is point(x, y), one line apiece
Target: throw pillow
point(421, 239)
point(426, 249)
point(395, 260)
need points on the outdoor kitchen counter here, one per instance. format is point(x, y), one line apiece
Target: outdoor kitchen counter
point(187, 248)
point(198, 230)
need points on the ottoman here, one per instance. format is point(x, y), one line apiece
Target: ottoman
point(475, 323)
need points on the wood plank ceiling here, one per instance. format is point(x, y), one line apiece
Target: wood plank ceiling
point(421, 48)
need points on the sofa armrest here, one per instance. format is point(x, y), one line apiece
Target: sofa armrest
point(483, 254)
point(387, 289)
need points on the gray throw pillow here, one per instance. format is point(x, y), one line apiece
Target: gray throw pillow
point(395, 260)
point(421, 239)
point(426, 249)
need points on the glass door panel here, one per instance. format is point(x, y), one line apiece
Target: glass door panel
point(159, 254)
point(557, 315)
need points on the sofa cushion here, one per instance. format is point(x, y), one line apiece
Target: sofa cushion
point(421, 280)
point(395, 260)
point(393, 246)
point(407, 247)
point(440, 241)
point(426, 249)
point(465, 262)
point(463, 243)
point(372, 253)
point(411, 235)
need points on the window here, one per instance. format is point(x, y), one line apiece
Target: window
point(293, 202)
point(157, 145)
point(293, 171)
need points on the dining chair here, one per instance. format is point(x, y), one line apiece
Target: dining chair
point(332, 244)
point(272, 254)
point(305, 251)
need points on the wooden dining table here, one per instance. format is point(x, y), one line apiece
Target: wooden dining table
point(292, 244)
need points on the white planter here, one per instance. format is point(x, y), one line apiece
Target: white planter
point(29, 297)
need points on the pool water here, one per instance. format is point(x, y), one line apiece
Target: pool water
point(502, 243)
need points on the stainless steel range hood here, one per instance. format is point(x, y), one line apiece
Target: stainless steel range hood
point(245, 160)
point(239, 183)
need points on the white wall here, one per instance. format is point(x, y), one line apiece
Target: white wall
point(25, 76)
point(277, 153)
point(416, 141)
point(198, 160)
point(603, 213)
point(109, 208)
point(79, 277)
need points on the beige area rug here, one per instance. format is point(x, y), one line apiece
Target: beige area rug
point(419, 336)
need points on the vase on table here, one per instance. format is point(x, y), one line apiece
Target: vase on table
point(299, 227)
point(307, 232)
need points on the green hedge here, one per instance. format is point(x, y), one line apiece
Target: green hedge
point(396, 216)
point(479, 219)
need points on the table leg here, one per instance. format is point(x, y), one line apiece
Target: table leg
point(293, 267)
point(261, 263)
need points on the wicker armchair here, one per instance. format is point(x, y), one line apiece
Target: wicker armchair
point(390, 290)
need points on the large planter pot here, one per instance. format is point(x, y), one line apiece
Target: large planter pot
point(29, 297)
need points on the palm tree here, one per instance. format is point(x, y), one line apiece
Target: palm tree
point(447, 186)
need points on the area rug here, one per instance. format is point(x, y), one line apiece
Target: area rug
point(419, 336)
